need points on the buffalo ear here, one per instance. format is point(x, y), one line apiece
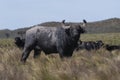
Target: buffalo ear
point(67, 31)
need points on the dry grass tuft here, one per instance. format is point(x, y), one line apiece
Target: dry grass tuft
point(83, 65)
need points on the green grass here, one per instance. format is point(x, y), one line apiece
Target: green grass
point(107, 38)
point(83, 65)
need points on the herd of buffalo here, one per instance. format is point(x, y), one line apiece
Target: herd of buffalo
point(61, 39)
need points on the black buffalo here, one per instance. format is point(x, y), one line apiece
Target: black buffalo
point(19, 42)
point(89, 45)
point(112, 47)
point(51, 40)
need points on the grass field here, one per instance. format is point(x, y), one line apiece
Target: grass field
point(83, 65)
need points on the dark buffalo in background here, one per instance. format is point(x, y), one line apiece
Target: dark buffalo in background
point(19, 42)
point(112, 47)
point(51, 40)
point(89, 45)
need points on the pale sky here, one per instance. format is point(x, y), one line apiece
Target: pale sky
point(24, 13)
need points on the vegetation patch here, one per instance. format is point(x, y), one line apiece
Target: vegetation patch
point(83, 65)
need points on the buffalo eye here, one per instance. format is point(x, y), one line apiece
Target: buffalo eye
point(67, 31)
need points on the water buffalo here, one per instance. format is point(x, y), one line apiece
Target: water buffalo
point(112, 47)
point(19, 42)
point(89, 45)
point(51, 40)
point(99, 44)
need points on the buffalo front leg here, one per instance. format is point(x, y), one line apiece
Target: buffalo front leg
point(36, 53)
point(61, 53)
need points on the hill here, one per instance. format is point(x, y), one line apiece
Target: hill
point(111, 25)
point(105, 26)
